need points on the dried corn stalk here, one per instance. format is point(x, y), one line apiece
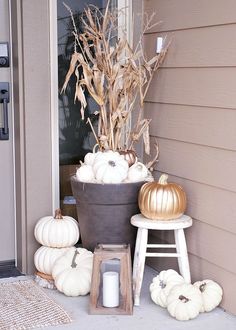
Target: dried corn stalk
point(115, 75)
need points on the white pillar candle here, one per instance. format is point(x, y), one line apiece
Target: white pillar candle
point(110, 289)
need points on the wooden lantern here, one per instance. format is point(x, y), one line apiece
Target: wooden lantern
point(104, 253)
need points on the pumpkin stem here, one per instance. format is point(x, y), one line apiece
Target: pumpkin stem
point(202, 287)
point(183, 299)
point(94, 148)
point(73, 263)
point(163, 179)
point(58, 214)
point(112, 163)
point(162, 284)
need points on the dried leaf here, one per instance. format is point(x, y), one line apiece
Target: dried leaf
point(79, 94)
point(146, 140)
point(71, 70)
point(150, 164)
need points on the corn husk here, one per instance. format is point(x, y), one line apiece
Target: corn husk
point(116, 75)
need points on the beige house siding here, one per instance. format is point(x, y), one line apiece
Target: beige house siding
point(192, 103)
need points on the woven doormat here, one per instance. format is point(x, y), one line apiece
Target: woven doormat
point(24, 305)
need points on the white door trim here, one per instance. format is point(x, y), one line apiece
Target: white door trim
point(54, 105)
point(125, 21)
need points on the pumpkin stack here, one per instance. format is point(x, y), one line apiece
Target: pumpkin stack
point(56, 235)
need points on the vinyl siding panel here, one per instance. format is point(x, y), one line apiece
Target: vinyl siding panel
point(200, 47)
point(188, 14)
point(211, 166)
point(212, 87)
point(192, 104)
point(183, 123)
point(211, 205)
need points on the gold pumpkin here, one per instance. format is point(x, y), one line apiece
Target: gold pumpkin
point(162, 200)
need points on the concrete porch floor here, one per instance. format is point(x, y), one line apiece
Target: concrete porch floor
point(146, 316)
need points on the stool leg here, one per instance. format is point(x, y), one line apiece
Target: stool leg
point(139, 263)
point(136, 255)
point(181, 248)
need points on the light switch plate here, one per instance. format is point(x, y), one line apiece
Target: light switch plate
point(159, 44)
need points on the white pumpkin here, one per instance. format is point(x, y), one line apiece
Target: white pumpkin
point(162, 284)
point(58, 231)
point(137, 172)
point(149, 177)
point(90, 157)
point(211, 293)
point(85, 173)
point(72, 272)
point(110, 167)
point(184, 302)
point(45, 257)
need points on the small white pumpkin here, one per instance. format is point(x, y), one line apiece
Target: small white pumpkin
point(149, 177)
point(211, 293)
point(184, 302)
point(45, 257)
point(110, 167)
point(58, 231)
point(90, 157)
point(137, 172)
point(85, 173)
point(72, 272)
point(162, 284)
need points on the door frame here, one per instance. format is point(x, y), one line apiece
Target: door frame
point(125, 20)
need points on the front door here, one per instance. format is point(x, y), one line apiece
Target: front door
point(7, 227)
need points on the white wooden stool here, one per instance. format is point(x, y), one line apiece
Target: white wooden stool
point(141, 246)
